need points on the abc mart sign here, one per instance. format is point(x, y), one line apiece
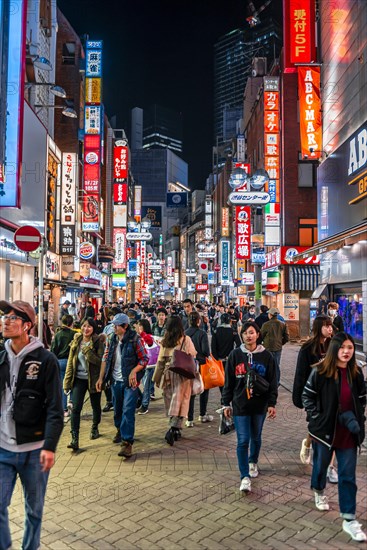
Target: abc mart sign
point(241, 199)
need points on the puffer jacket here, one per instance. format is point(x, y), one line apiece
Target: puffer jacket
point(93, 355)
point(306, 358)
point(320, 398)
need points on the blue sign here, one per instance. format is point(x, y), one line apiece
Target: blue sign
point(211, 278)
point(272, 190)
point(258, 255)
point(132, 268)
point(224, 248)
point(154, 214)
point(176, 200)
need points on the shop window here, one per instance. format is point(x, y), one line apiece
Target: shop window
point(351, 310)
point(68, 53)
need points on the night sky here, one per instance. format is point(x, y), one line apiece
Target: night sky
point(162, 52)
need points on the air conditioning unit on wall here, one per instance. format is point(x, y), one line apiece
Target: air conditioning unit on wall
point(258, 66)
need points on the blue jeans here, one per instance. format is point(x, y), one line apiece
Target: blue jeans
point(62, 365)
point(347, 487)
point(248, 430)
point(147, 381)
point(124, 403)
point(34, 483)
point(276, 356)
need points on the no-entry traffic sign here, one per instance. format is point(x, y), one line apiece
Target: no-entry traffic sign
point(27, 238)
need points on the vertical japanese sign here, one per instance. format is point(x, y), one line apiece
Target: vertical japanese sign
point(120, 163)
point(243, 232)
point(119, 244)
point(224, 258)
point(120, 192)
point(93, 124)
point(310, 124)
point(272, 137)
point(299, 32)
point(68, 204)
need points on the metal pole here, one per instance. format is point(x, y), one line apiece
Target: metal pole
point(40, 289)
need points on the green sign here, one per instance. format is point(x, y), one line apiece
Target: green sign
point(258, 290)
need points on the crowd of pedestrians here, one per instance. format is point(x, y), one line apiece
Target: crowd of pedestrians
point(126, 350)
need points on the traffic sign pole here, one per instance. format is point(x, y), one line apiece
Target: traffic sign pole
point(40, 289)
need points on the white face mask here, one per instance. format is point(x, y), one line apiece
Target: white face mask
point(332, 312)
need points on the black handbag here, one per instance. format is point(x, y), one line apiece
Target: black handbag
point(256, 385)
point(183, 363)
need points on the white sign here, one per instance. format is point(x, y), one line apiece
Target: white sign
point(92, 123)
point(251, 197)
point(291, 307)
point(207, 254)
point(154, 267)
point(247, 278)
point(68, 183)
point(139, 236)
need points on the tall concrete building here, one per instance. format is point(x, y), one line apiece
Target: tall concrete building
point(156, 127)
point(233, 55)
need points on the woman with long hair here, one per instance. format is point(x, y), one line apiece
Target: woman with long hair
point(335, 398)
point(176, 388)
point(248, 406)
point(312, 352)
point(82, 373)
point(144, 330)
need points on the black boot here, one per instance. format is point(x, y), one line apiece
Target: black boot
point(170, 437)
point(94, 433)
point(176, 433)
point(74, 443)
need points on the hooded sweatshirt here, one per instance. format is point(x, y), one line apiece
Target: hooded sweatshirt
point(7, 424)
point(234, 391)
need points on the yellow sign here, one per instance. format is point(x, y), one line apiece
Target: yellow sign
point(93, 90)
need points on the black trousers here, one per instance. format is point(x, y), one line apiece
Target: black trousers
point(80, 388)
point(203, 404)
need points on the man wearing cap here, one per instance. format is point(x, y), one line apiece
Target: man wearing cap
point(123, 365)
point(31, 419)
point(275, 334)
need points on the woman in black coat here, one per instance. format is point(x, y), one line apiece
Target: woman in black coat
point(201, 342)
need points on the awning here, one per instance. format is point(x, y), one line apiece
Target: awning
point(319, 291)
point(304, 277)
point(349, 237)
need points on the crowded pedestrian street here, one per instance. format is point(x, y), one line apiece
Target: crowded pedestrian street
point(187, 496)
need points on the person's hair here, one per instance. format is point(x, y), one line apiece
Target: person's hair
point(319, 322)
point(174, 331)
point(225, 318)
point(77, 324)
point(162, 310)
point(188, 301)
point(333, 305)
point(194, 319)
point(92, 323)
point(328, 366)
point(144, 323)
point(67, 320)
point(264, 308)
point(249, 324)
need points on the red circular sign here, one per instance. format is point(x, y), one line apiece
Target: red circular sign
point(217, 267)
point(27, 238)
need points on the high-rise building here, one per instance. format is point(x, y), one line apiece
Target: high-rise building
point(233, 55)
point(156, 128)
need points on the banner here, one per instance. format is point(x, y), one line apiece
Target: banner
point(243, 232)
point(177, 200)
point(299, 23)
point(310, 123)
point(224, 260)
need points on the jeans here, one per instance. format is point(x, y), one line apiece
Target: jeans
point(124, 403)
point(34, 483)
point(62, 365)
point(203, 405)
point(79, 390)
point(248, 430)
point(147, 381)
point(276, 356)
point(347, 487)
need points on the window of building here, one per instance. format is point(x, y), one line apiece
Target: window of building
point(307, 231)
point(68, 53)
point(306, 174)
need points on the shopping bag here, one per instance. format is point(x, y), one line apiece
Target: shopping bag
point(197, 385)
point(212, 373)
point(226, 425)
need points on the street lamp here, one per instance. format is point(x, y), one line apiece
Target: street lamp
point(67, 111)
point(57, 91)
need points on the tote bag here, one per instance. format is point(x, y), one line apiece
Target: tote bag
point(212, 373)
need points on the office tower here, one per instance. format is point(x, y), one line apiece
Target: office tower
point(156, 127)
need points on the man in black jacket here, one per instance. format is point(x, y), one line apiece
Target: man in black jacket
point(31, 419)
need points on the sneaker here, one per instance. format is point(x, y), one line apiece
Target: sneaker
point(117, 438)
point(189, 424)
point(321, 502)
point(206, 418)
point(66, 413)
point(246, 485)
point(108, 407)
point(143, 410)
point(126, 450)
point(353, 528)
point(153, 397)
point(332, 474)
point(254, 472)
point(305, 454)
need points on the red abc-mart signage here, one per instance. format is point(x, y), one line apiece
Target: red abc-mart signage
point(201, 288)
point(299, 32)
point(243, 232)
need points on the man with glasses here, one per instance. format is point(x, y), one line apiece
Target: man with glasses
point(31, 419)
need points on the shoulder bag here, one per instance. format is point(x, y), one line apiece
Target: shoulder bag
point(183, 363)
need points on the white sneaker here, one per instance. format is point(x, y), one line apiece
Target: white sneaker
point(321, 502)
point(353, 528)
point(254, 472)
point(189, 424)
point(206, 418)
point(332, 474)
point(246, 485)
point(305, 454)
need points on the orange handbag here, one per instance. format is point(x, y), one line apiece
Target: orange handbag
point(212, 373)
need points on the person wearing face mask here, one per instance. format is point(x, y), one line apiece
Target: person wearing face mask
point(248, 407)
point(337, 320)
point(335, 400)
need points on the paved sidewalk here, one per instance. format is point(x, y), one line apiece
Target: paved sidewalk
point(187, 496)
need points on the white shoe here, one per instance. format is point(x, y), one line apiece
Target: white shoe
point(189, 424)
point(305, 454)
point(321, 502)
point(206, 418)
point(254, 472)
point(246, 485)
point(332, 474)
point(353, 528)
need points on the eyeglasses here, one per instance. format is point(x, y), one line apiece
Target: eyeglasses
point(10, 318)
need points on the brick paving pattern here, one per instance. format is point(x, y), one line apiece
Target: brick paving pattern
point(187, 496)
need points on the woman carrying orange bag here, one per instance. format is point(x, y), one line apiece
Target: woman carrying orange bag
point(212, 373)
